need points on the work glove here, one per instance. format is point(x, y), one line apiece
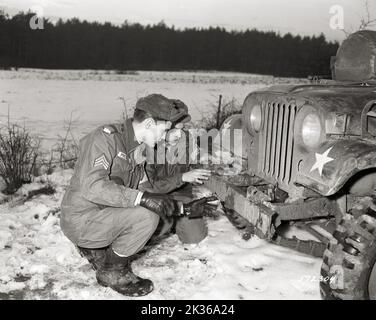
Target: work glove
point(201, 207)
point(162, 204)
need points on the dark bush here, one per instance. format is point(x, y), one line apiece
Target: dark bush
point(18, 156)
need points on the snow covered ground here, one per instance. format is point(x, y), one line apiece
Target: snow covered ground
point(38, 262)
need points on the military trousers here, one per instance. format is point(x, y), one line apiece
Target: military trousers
point(126, 229)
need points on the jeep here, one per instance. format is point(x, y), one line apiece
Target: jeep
point(309, 160)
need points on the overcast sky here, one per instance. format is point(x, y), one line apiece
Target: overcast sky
point(305, 17)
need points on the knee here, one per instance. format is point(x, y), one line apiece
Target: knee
point(149, 216)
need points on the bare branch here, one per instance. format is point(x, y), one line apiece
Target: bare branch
point(125, 111)
point(366, 22)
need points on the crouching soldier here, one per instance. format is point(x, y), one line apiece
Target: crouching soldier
point(178, 150)
point(103, 212)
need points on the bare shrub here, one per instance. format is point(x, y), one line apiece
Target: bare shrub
point(367, 21)
point(63, 153)
point(18, 156)
point(46, 164)
point(220, 111)
point(65, 150)
point(219, 114)
point(125, 111)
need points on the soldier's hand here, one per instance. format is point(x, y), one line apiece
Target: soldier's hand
point(196, 176)
point(201, 207)
point(161, 204)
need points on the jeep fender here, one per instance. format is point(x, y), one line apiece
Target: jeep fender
point(233, 122)
point(327, 169)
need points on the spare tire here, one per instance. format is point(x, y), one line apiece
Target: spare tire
point(355, 59)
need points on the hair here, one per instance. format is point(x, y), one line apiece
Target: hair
point(141, 115)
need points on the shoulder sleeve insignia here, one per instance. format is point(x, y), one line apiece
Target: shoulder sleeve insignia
point(101, 162)
point(110, 129)
point(122, 155)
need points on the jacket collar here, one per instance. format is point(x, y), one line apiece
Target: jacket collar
point(129, 137)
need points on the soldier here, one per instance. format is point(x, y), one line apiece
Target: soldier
point(104, 213)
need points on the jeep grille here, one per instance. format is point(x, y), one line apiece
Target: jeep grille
point(276, 141)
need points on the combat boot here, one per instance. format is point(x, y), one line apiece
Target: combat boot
point(96, 257)
point(117, 274)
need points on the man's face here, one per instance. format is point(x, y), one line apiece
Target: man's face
point(155, 131)
point(174, 135)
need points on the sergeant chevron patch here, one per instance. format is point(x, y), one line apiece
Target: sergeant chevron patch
point(101, 161)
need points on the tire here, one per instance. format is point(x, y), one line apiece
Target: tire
point(348, 271)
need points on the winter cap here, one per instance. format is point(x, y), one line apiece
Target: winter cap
point(162, 108)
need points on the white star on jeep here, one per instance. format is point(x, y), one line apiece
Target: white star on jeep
point(321, 160)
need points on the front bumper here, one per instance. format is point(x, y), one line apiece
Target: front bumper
point(236, 193)
point(235, 198)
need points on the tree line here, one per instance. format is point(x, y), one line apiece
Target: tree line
point(77, 44)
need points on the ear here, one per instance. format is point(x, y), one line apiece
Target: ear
point(149, 122)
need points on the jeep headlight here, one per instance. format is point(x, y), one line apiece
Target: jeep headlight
point(311, 130)
point(255, 118)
